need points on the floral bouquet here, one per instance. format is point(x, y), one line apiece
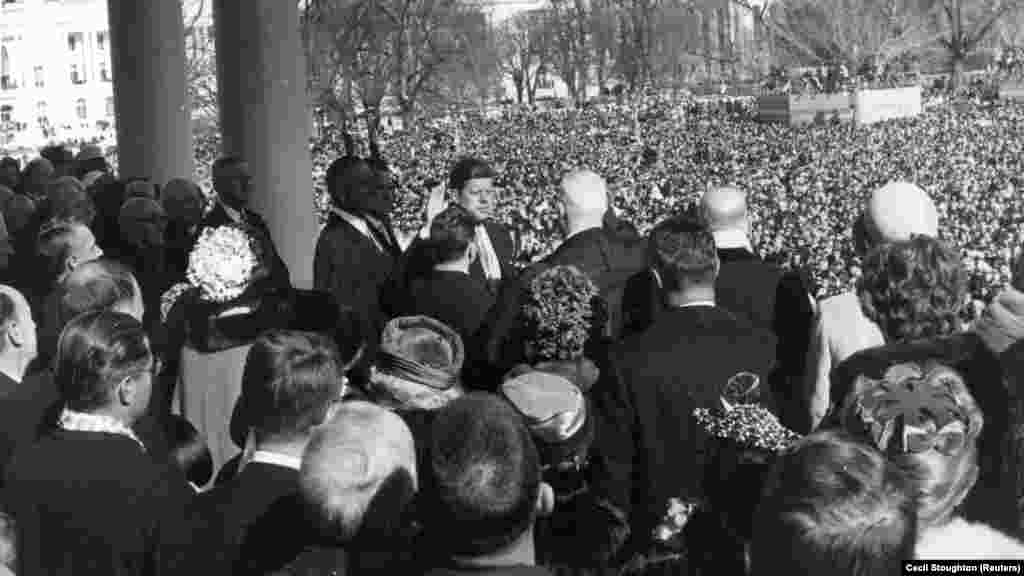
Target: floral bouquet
point(221, 266)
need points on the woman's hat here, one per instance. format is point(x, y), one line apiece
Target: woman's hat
point(421, 350)
point(555, 412)
point(417, 366)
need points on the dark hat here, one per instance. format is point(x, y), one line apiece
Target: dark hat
point(556, 413)
point(421, 350)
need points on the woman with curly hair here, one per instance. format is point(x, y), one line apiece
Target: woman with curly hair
point(913, 290)
point(562, 314)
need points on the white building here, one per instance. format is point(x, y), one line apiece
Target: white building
point(55, 71)
point(56, 74)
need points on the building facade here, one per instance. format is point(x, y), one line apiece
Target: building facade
point(55, 71)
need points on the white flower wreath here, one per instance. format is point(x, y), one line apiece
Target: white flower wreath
point(222, 264)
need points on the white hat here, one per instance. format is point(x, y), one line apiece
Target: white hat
point(900, 210)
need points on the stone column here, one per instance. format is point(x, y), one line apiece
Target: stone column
point(154, 136)
point(264, 119)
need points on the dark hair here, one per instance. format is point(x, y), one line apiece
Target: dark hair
point(221, 163)
point(58, 155)
point(290, 380)
point(68, 200)
point(913, 289)
point(467, 169)
point(487, 473)
point(339, 175)
point(190, 451)
point(683, 251)
point(451, 233)
point(834, 506)
point(96, 351)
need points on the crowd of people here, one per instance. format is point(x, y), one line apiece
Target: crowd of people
point(806, 184)
point(605, 341)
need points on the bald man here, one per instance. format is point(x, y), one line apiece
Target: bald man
point(607, 257)
point(893, 213)
point(761, 293)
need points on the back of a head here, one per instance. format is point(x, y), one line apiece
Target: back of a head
point(833, 506)
point(68, 200)
point(585, 195)
point(291, 380)
point(97, 285)
point(914, 289)
point(90, 159)
point(466, 169)
point(19, 212)
point(59, 156)
point(683, 250)
point(358, 473)
point(724, 208)
point(179, 196)
point(97, 351)
point(487, 475)
point(140, 189)
point(140, 221)
point(451, 233)
point(899, 210)
point(36, 174)
point(933, 426)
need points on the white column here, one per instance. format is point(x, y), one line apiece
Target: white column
point(154, 136)
point(264, 119)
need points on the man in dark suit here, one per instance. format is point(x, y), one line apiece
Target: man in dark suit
point(649, 447)
point(756, 291)
point(764, 294)
point(231, 182)
point(357, 253)
point(609, 258)
point(293, 382)
point(472, 180)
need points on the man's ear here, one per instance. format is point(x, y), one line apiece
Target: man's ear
point(545, 500)
point(126, 391)
point(15, 334)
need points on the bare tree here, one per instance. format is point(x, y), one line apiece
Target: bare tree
point(200, 61)
point(525, 52)
point(967, 24)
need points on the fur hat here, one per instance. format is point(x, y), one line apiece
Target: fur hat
point(418, 365)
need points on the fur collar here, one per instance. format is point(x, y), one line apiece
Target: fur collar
point(960, 539)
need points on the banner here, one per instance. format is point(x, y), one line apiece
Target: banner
point(879, 105)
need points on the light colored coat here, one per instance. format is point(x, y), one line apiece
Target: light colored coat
point(840, 330)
